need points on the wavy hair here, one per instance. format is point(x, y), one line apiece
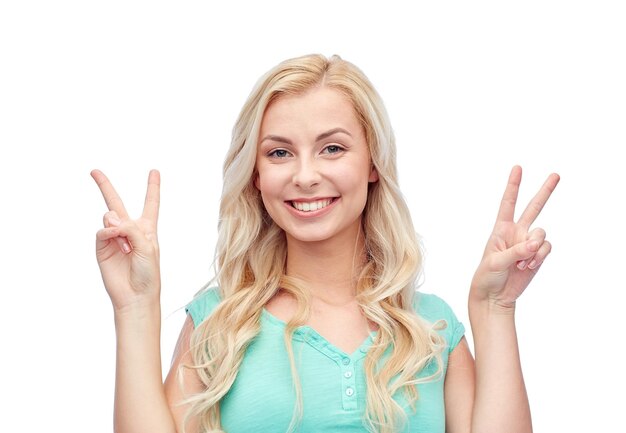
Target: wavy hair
point(251, 257)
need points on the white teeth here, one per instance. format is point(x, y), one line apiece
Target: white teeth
point(312, 205)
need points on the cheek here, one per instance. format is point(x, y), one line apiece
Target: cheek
point(269, 186)
point(350, 179)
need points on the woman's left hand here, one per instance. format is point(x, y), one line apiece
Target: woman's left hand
point(514, 252)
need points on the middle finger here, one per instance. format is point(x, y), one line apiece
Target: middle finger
point(539, 200)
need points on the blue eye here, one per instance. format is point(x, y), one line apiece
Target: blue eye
point(278, 153)
point(333, 148)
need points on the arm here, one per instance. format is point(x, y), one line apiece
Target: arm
point(149, 404)
point(128, 257)
point(140, 403)
point(460, 384)
point(512, 257)
point(501, 388)
point(501, 403)
point(191, 381)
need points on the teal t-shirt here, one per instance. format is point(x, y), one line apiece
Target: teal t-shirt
point(333, 382)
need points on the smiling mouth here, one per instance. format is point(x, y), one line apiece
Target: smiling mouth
point(311, 206)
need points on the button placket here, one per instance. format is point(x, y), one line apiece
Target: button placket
point(348, 384)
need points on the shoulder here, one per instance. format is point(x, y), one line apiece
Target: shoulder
point(203, 303)
point(433, 309)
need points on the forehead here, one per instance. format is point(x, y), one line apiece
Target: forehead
point(318, 108)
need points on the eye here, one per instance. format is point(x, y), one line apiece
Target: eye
point(278, 153)
point(333, 148)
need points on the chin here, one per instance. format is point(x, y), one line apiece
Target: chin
point(322, 234)
point(308, 237)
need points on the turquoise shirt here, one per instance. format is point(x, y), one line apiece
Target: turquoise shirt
point(333, 382)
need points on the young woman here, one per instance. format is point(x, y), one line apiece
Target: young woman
point(314, 323)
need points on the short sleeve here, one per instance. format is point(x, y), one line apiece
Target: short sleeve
point(432, 308)
point(202, 305)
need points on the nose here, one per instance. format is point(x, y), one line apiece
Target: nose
point(307, 174)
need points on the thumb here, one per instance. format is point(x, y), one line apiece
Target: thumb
point(520, 251)
point(136, 237)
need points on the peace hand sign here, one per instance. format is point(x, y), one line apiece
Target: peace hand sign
point(127, 250)
point(514, 253)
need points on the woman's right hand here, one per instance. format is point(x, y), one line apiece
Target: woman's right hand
point(127, 250)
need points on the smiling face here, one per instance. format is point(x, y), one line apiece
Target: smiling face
point(313, 166)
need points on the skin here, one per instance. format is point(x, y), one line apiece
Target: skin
point(294, 163)
point(326, 247)
point(486, 395)
point(513, 255)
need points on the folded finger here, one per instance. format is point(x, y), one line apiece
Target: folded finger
point(112, 222)
point(538, 234)
point(535, 239)
point(540, 256)
point(518, 253)
point(111, 219)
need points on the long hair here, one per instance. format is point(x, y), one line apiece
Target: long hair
point(251, 256)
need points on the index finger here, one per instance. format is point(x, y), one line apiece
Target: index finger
point(509, 199)
point(111, 198)
point(539, 200)
point(153, 194)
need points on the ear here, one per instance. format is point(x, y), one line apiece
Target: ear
point(373, 175)
point(257, 181)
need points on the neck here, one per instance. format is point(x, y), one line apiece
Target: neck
point(330, 268)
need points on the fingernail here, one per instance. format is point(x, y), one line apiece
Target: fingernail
point(521, 265)
point(532, 264)
point(126, 247)
point(115, 221)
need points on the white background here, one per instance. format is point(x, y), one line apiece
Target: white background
point(472, 89)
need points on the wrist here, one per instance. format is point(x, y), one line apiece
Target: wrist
point(489, 307)
point(140, 309)
point(491, 322)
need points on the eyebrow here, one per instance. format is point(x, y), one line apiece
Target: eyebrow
point(322, 136)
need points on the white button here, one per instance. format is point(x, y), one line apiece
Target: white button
point(349, 392)
point(347, 374)
point(346, 361)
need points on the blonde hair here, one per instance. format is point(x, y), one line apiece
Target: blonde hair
point(251, 257)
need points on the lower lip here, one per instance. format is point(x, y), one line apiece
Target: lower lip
point(313, 213)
